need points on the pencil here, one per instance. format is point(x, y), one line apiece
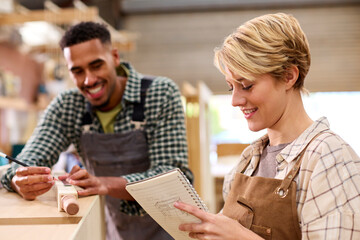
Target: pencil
point(13, 159)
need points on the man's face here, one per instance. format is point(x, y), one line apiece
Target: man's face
point(92, 66)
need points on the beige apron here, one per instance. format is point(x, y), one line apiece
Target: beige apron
point(266, 206)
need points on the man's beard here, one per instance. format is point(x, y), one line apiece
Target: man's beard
point(103, 105)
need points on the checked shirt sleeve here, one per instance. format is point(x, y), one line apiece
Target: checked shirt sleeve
point(45, 144)
point(332, 206)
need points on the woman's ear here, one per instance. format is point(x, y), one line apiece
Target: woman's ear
point(291, 76)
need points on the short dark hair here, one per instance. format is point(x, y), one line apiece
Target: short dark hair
point(85, 31)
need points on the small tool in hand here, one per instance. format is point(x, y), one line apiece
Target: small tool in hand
point(13, 159)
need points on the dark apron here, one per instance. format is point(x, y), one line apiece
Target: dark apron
point(116, 155)
point(266, 206)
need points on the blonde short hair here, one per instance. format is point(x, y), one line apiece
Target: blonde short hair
point(267, 44)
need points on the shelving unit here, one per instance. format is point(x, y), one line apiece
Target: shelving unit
point(123, 40)
point(20, 104)
point(61, 17)
point(198, 129)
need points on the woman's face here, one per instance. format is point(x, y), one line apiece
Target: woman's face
point(263, 101)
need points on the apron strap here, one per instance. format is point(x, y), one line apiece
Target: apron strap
point(87, 118)
point(245, 166)
point(282, 190)
point(139, 108)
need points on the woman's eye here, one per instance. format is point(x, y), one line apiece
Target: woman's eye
point(231, 88)
point(248, 87)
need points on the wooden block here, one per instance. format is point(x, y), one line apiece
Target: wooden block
point(226, 149)
point(40, 219)
point(66, 198)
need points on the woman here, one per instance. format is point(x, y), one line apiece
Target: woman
point(300, 180)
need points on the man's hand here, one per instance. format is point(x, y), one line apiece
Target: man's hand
point(80, 177)
point(31, 182)
point(113, 186)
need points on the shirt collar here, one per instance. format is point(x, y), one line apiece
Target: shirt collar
point(291, 151)
point(133, 84)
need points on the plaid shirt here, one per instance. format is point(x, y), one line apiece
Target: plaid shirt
point(165, 128)
point(328, 184)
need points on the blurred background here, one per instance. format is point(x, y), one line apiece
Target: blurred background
point(176, 38)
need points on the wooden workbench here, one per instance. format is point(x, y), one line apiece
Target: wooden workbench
point(40, 219)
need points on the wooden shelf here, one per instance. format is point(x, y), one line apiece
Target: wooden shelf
point(122, 40)
point(19, 104)
point(62, 16)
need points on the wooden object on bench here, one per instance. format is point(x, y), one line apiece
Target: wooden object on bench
point(67, 198)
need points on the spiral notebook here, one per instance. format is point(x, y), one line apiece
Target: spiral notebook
point(157, 196)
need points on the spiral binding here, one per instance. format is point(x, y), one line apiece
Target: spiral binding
point(191, 190)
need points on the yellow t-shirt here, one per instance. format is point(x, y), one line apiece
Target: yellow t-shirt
point(107, 119)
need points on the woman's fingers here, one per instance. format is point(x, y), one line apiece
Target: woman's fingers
point(195, 211)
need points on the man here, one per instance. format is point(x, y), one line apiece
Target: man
point(124, 126)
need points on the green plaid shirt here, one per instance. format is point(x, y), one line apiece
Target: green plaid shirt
point(61, 122)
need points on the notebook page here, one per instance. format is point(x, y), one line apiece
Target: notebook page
point(157, 196)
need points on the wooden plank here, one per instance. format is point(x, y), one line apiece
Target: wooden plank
point(37, 232)
point(124, 46)
point(22, 219)
point(207, 180)
point(193, 139)
point(39, 221)
point(92, 225)
point(197, 128)
point(120, 44)
point(226, 149)
point(62, 16)
point(17, 104)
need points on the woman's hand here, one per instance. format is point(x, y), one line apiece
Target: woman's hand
point(213, 226)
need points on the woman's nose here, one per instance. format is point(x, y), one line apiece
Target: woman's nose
point(237, 99)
